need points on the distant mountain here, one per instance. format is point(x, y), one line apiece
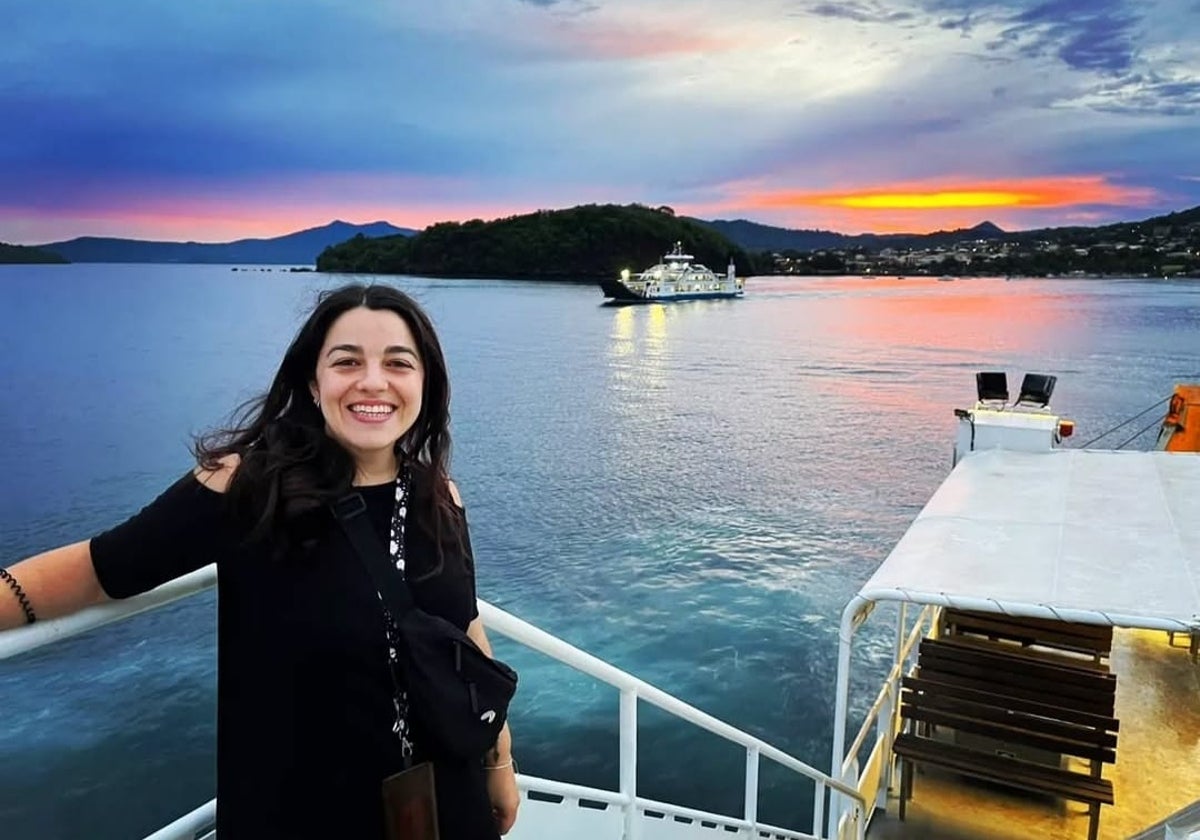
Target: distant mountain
point(987, 229)
point(299, 248)
point(23, 254)
point(1183, 219)
point(937, 239)
point(756, 237)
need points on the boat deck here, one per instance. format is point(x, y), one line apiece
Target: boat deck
point(1157, 771)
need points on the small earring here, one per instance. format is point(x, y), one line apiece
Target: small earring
point(316, 401)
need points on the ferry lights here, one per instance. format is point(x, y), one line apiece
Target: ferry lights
point(992, 385)
point(1036, 388)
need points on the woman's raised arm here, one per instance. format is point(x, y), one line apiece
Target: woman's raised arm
point(64, 580)
point(55, 583)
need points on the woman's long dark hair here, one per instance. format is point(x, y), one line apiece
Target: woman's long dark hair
point(289, 467)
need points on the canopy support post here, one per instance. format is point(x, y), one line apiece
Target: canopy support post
point(853, 615)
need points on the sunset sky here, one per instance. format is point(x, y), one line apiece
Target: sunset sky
point(223, 119)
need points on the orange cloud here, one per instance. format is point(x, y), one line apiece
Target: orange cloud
point(1017, 193)
point(923, 206)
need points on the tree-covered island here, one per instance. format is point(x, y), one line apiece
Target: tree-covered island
point(23, 254)
point(581, 243)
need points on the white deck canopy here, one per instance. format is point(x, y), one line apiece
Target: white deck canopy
point(1099, 537)
point(1093, 536)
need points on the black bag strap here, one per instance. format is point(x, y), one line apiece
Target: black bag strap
point(351, 513)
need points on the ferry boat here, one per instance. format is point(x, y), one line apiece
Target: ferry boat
point(1046, 603)
point(675, 278)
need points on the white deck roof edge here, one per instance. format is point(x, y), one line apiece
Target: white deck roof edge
point(1099, 537)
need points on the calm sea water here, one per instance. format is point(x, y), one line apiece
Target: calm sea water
point(691, 492)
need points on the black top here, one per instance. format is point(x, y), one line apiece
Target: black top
point(304, 697)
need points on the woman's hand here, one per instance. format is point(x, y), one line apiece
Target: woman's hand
point(501, 772)
point(504, 796)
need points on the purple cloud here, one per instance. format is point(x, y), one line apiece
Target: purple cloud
point(1094, 35)
point(1086, 34)
point(860, 12)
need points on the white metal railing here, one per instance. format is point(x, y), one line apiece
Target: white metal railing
point(631, 689)
point(29, 637)
point(189, 825)
point(884, 714)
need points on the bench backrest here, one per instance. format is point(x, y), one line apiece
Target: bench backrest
point(1065, 708)
point(931, 704)
point(1094, 639)
point(1019, 677)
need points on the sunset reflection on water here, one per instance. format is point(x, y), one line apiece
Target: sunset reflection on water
point(912, 345)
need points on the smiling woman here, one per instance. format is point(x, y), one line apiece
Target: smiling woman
point(313, 711)
point(369, 392)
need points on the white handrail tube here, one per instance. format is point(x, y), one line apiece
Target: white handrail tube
point(32, 636)
point(187, 825)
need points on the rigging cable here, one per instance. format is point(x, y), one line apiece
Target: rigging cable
point(1138, 435)
point(1131, 419)
point(1126, 423)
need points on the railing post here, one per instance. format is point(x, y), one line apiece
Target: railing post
point(883, 742)
point(818, 828)
point(893, 715)
point(628, 778)
point(751, 812)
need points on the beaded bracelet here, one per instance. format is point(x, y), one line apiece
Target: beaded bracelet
point(502, 765)
point(30, 615)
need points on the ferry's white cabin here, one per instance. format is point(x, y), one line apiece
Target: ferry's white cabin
point(1024, 529)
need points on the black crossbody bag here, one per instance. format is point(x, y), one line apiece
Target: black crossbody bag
point(457, 694)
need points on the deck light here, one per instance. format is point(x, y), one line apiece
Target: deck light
point(1036, 389)
point(992, 385)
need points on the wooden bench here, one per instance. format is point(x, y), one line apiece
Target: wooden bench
point(1067, 683)
point(1001, 697)
point(1093, 640)
point(1032, 777)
